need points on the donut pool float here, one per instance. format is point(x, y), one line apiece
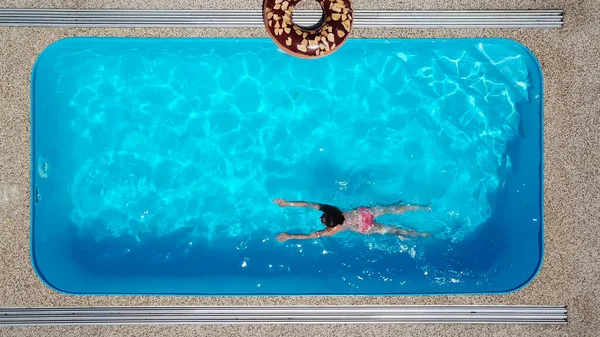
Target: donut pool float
point(320, 40)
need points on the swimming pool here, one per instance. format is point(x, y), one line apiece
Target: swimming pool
point(155, 163)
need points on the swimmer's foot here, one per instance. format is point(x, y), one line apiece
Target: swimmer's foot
point(409, 207)
point(403, 237)
point(426, 208)
point(421, 234)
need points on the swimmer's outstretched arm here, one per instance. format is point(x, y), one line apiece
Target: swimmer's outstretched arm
point(284, 203)
point(315, 235)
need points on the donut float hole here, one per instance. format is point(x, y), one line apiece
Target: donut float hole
point(312, 5)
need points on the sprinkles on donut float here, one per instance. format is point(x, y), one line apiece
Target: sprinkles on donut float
point(311, 42)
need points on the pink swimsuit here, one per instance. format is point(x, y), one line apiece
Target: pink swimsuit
point(366, 219)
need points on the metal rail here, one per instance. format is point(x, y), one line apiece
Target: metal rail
point(282, 315)
point(253, 18)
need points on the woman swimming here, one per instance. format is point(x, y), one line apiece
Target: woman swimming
point(361, 220)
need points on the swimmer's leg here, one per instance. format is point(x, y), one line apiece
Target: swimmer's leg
point(398, 208)
point(402, 234)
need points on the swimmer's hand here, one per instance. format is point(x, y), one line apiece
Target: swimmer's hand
point(281, 202)
point(283, 237)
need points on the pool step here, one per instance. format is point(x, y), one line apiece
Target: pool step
point(253, 18)
point(490, 314)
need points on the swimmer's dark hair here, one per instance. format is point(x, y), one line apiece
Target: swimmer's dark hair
point(332, 216)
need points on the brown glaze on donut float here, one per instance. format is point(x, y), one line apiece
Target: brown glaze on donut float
point(320, 40)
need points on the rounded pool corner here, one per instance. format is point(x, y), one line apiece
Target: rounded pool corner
point(48, 49)
point(527, 51)
point(40, 275)
point(530, 279)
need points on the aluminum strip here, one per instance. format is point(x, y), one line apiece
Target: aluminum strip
point(292, 309)
point(283, 315)
point(253, 18)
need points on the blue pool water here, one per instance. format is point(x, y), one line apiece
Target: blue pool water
point(155, 163)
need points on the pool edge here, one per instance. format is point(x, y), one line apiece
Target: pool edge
point(540, 263)
point(32, 187)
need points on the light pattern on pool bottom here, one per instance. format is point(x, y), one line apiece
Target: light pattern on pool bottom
point(180, 150)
